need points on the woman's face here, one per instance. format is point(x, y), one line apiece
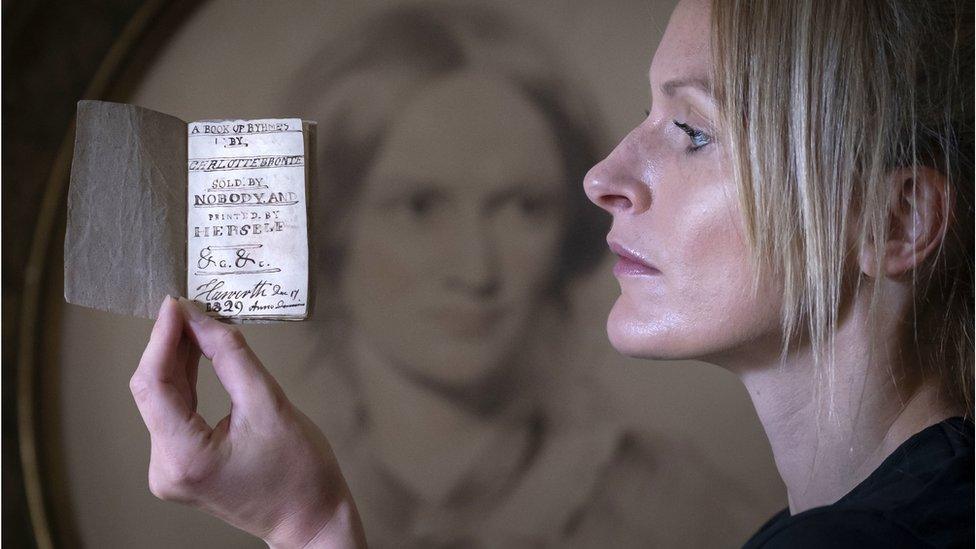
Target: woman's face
point(455, 238)
point(685, 272)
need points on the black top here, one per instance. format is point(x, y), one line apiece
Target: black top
point(920, 496)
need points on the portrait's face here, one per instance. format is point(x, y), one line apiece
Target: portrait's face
point(684, 271)
point(456, 235)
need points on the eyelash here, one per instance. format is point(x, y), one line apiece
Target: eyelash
point(698, 138)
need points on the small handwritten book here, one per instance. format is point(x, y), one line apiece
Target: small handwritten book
point(213, 210)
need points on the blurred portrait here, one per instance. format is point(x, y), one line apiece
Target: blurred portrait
point(451, 151)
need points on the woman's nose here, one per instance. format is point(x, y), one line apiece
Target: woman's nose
point(615, 183)
point(471, 266)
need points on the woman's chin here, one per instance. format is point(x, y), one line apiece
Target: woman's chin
point(640, 338)
point(452, 366)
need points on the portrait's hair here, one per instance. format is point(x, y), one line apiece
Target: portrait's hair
point(358, 83)
point(821, 100)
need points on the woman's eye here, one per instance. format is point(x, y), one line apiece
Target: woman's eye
point(420, 205)
point(532, 206)
point(529, 207)
point(698, 138)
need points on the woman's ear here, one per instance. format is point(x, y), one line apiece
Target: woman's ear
point(917, 222)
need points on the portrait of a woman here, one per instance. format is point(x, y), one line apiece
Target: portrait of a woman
point(450, 222)
point(796, 208)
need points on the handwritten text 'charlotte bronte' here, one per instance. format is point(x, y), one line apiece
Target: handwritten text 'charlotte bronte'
point(246, 163)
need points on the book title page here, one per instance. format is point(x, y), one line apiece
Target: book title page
point(247, 227)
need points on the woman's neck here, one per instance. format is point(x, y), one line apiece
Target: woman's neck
point(424, 437)
point(826, 443)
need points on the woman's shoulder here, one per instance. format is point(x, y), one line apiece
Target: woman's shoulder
point(834, 527)
point(921, 495)
point(925, 488)
point(868, 528)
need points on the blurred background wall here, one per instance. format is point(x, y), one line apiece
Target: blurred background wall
point(87, 448)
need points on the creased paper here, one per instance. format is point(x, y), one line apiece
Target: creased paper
point(143, 194)
point(125, 242)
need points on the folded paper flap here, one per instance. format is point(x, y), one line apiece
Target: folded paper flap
point(125, 240)
point(310, 129)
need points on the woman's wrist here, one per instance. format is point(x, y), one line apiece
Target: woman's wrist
point(344, 530)
point(341, 530)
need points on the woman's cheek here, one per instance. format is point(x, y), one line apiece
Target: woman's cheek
point(381, 269)
point(708, 257)
point(693, 236)
point(716, 290)
point(527, 257)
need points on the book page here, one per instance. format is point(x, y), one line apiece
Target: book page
point(247, 226)
point(124, 247)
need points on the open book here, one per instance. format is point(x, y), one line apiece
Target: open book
point(213, 210)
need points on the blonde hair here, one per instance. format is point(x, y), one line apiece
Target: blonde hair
point(820, 101)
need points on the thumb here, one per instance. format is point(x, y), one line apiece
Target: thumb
point(250, 386)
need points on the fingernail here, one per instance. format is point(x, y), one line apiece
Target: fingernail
point(192, 310)
point(163, 304)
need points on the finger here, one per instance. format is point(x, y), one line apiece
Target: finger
point(164, 344)
point(186, 379)
point(239, 370)
point(192, 366)
point(154, 384)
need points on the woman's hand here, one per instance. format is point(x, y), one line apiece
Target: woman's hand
point(265, 468)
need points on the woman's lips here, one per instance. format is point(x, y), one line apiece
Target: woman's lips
point(630, 263)
point(467, 321)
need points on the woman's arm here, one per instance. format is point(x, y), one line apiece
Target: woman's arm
point(265, 468)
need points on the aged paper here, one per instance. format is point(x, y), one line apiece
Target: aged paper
point(139, 203)
point(124, 247)
point(247, 228)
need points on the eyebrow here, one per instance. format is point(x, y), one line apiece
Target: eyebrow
point(701, 84)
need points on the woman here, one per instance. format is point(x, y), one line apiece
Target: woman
point(449, 220)
point(410, 248)
point(796, 207)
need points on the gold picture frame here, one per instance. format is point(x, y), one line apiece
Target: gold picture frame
point(49, 507)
